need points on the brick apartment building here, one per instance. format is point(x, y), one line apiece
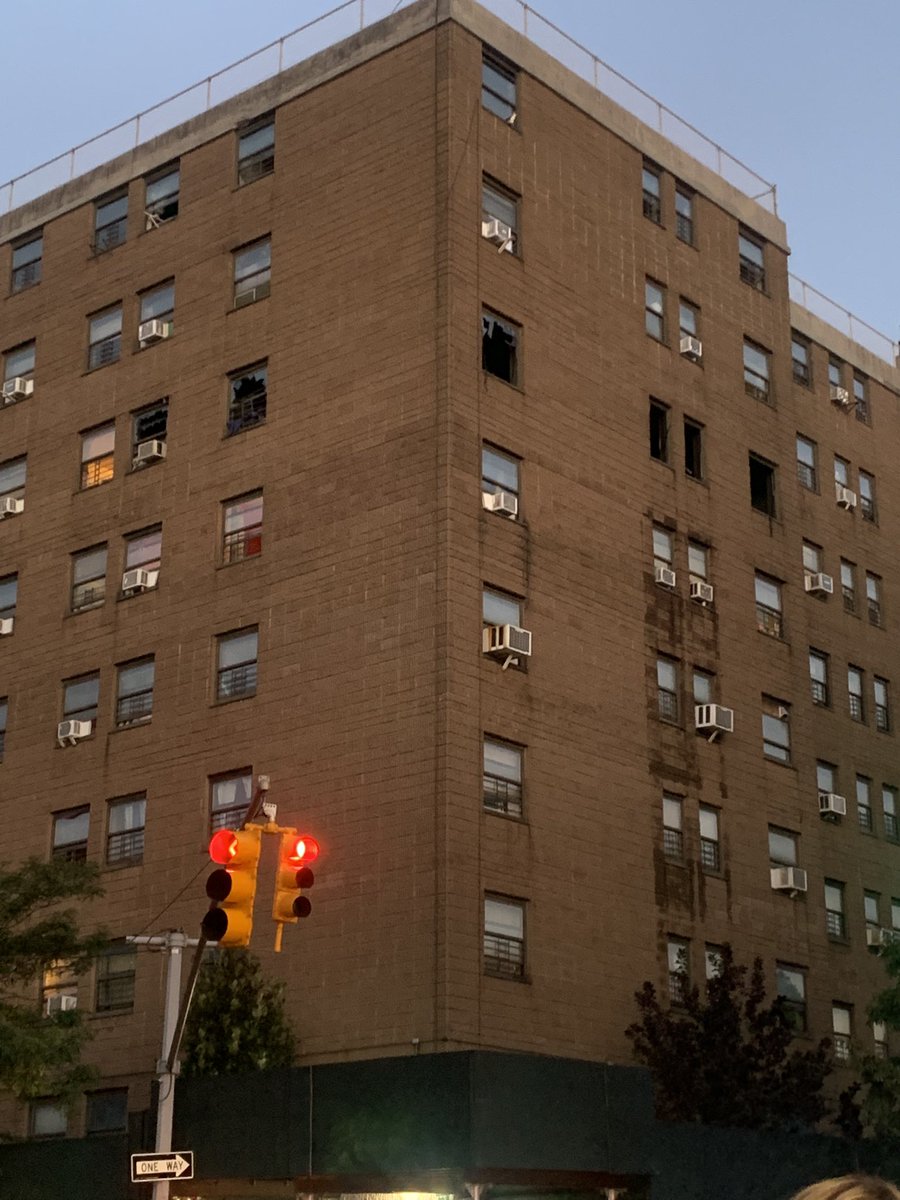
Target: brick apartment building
point(422, 335)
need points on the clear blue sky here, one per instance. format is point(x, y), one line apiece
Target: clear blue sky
point(806, 92)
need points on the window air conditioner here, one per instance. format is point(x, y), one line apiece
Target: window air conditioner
point(59, 1004)
point(150, 332)
point(844, 496)
point(11, 506)
point(788, 879)
point(6, 626)
point(138, 579)
point(497, 232)
point(17, 389)
point(819, 584)
point(148, 452)
point(875, 936)
point(70, 732)
point(506, 639)
point(504, 503)
point(832, 805)
point(713, 719)
point(691, 347)
point(840, 396)
point(664, 576)
point(701, 591)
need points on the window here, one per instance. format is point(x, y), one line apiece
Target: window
point(861, 397)
point(242, 522)
point(762, 485)
point(651, 186)
point(107, 1111)
point(144, 549)
point(880, 1039)
point(710, 853)
point(110, 222)
point(47, 1118)
point(149, 424)
point(500, 347)
point(835, 372)
point(12, 478)
point(673, 827)
point(236, 664)
point(703, 687)
point(88, 578)
point(502, 783)
point(776, 730)
point(790, 985)
point(678, 958)
point(873, 598)
point(835, 918)
point(4, 712)
point(889, 809)
point(841, 471)
point(655, 310)
point(855, 694)
point(499, 204)
point(752, 261)
point(58, 980)
point(800, 358)
point(667, 689)
point(826, 777)
point(698, 561)
point(782, 847)
point(504, 937)
point(864, 804)
point(252, 272)
point(848, 585)
point(895, 913)
point(27, 258)
point(806, 463)
point(498, 86)
point(125, 830)
point(663, 547)
point(499, 471)
point(756, 372)
point(659, 431)
point(9, 594)
point(256, 151)
point(498, 608)
point(812, 559)
point(134, 695)
point(882, 705)
point(81, 697)
point(159, 305)
point(818, 677)
point(768, 606)
point(105, 337)
point(19, 363)
point(70, 834)
point(247, 390)
point(841, 1016)
point(98, 455)
point(684, 215)
point(688, 318)
point(693, 449)
point(161, 197)
point(867, 497)
point(229, 799)
point(872, 909)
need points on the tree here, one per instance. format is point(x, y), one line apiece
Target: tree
point(40, 1056)
point(723, 1057)
point(237, 1020)
point(878, 1106)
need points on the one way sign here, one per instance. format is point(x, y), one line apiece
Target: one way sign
point(147, 1168)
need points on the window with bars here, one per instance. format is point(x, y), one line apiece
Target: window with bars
point(848, 586)
point(882, 692)
point(864, 804)
point(679, 967)
point(237, 657)
point(867, 505)
point(889, 813)
point(790, 986)
point(256, 151)
point(125, 830)
point(27, 261)
point(252, 272)
point(88, 578)
point(655, 310)
point(667, 689)
point(98, 455)
point(752, 263)
point(861, 398)
point(835, 917)
point(841, 1019)
point(756, 372)
point(502, 779)
point(70, 834)
point(855, 694)
point(499, 86)
point(651, 187)
point(800, 360)
point(806, 463)
point(229, 799)
point(134, 693)
point(81, 697)
point(673, 827)
point(684, 214)
point(710, 845)
point(242, 527)
point(769, 619)
point(105, 337)
point(873, 599)
point(110, 222)
point(504, 937)
point(247, 398)
point(818, 677)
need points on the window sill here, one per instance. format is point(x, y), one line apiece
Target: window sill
point(777, 762)
point(111, 1012)
point(29, 287)
point(236, 562)
point(762, 291)
point(225, 701)
point(835, 939)
point(516, 387)
point(663, 463)
point(100, 367)
point(132, 725)
point(517, 819)
point(659, 341)
point(511, 123)
point(504, 977)
point(93, 487)
point(123, 866)
point(123, 596)
point(227, 436)
point(245, 183)
point(76, 612)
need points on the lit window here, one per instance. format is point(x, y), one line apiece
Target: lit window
point(498, 608)
point(710, 852)
point(252, 272)
point(867, 497)
point(47, 1118)
point(70, 834)
point(776, 730)
point(144, 549)
point(762, 485)
point(500, 341)
point(134, 694)
point(237, 657)
point(651, 188)
point(882, 705)
point(655, 310)
point(159, 305)
point(19, 362)
point(27, 259)
point(873, 598)
point(768, 606)
point(818, 677)
point(230, 797)
point(861, 398)
point(835, 918)
point(59, 987)
point(848, 585)
point(663, 547)
point(673, 827)
point(783, 848)
point(242, 524)
point(790, 984)
point(105, 337)
point(98, 455)
point(667, 689)
point(684, 215)
point(256, 151)
point(110, 222)
point(800, 357)
point(81, 697)
point(752, 261)
point(659, 431)
point(107, 1111)
point(889, 810)
point(678, 960)
point(806, 462)
point(502, 782)
point(161, 197)
point(498, 86)
point(855, 694)
point(504, 937)
point(247, 398)
point(864, 804)
point(841, 1017)
point(88, 578)
point(125, 830)
point(756, 372)
point(500, 205)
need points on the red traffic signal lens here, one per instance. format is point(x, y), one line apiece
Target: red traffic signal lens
point(302, 850)
point(223, 846)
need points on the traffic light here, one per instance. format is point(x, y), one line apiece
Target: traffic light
point(233, 885)
point(297, 851)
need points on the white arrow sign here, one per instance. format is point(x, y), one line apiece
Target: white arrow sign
point(178, 1164)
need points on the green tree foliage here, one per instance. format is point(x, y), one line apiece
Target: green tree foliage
point(724, 1056)
point(878, 1105)
point(237, 1020)
point(40, 1056)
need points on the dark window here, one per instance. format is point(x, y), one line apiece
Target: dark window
point(70, 834)
point(256, 151)
point(110, 222)
point(790, 983)
point(659, 431)
point(693, 449)
point(867, 505)
point(861, 397)
point(650, 179)
point(800, 359)
point(115, 979)
point(762, 485)
point(752, 261)
point(107, 1111)
point(150, 425)
point(236, 664)
point(134, 696)
point(27, 258)
point(247, 398)
point(500, 347)
point(161, 196)
point(242, 523)
point(684, 215)
point(498, 86)
point(125, 830)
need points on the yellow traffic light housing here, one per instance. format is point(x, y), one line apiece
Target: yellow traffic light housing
point(294, 875)
point(233, 885)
